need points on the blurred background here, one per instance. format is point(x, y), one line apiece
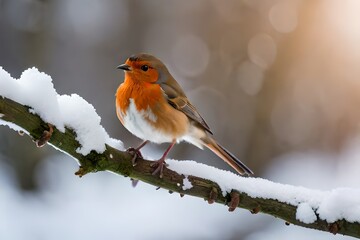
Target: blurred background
point(278, 81)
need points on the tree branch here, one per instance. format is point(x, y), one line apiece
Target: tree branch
point(120, 162)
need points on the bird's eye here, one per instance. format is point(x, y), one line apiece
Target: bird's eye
point(144, 68)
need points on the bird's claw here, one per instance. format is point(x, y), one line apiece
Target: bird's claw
point(159, 167)
point(135, 153)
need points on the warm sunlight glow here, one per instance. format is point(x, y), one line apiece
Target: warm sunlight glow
point(344, 16)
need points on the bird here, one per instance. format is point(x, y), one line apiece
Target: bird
point(151, 105)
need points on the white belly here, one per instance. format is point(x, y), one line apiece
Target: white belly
point(136, 122)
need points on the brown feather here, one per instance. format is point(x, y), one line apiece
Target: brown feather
point(182, 104)
point(227, 156)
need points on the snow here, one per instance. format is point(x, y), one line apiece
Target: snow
point(186, 183)
point(81, 116)
point(305, 213)
point(36, 90)
point(329, 205)
point(341, 203)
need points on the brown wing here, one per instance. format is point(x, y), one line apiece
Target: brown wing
point(180, 102)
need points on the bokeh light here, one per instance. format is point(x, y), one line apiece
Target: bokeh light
point(193, 61)
point(92, 26)
point(231, 48)
point(229, 12)
point(262, 50)
point(293, 124)
point(250, 77)
point(283, 16)
point(27, 16)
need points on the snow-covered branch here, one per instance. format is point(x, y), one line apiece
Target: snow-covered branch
point(31, 103)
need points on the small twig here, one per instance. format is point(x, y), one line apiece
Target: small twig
point(234, 201)
point(45, 137)
point(213, 195)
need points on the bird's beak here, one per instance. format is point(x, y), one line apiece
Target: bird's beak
point(124, 67)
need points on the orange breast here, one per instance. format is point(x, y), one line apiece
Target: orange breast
point(147, 96)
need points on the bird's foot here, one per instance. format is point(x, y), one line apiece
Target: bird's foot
point(135, 152)
point(159, 167)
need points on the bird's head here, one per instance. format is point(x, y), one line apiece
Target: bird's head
point(144, 68)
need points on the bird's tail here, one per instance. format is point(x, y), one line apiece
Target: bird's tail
point(227, 156)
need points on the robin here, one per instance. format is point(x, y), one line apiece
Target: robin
point(151, 105)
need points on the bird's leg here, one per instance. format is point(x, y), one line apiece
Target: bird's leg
point(136, 152)
point(159, 164)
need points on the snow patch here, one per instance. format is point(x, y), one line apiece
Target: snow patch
point(330, 205)
point(341, 203)
point(186, 183)
point(36, 90)
point(115, 143)
point(82, 117)
point(305, 213)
